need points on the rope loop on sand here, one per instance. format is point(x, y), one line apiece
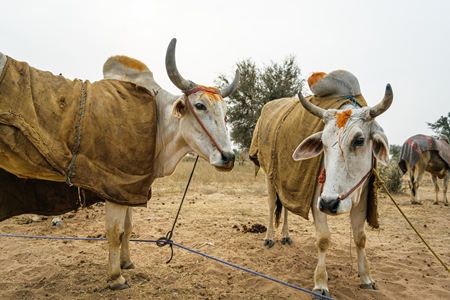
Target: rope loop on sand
point(172, 244)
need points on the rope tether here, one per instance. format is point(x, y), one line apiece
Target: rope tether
point(162, 241)
point(379, 182)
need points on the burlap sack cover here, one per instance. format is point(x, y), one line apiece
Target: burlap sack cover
point(282, 126)
point(417, 144)
point(39, 117)
point(20, 196)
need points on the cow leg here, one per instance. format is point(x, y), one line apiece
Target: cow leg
point(322, 244)
point(445, 182)
point(285, 229)
point(419, 170)
point(115, 223)
point(436, 188)
point(125, 260)
point(272, 198)
point(358, 217)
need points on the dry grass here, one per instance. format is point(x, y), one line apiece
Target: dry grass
point(206, 180)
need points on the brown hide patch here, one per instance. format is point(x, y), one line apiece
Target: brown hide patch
point(316, 76)
point(132, 63)
point(211, 92)
point(342, 117)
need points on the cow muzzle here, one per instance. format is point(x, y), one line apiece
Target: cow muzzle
point(329, 207)
point(227, 162)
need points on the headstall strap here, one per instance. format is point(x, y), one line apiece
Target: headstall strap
point(196, 116)
point(323, 176)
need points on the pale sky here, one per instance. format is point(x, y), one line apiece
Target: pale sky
point(404, 43)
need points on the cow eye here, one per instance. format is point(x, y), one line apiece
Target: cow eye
point(200, 106)
point(358, 141)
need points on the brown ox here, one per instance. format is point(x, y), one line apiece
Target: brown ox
point(350, 139)
point(422, 153)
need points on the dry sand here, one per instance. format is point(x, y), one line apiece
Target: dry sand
point(217, 208)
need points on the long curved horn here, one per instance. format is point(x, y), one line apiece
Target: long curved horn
point(232, 87)
point(171, 68)
point(384, 104)
point(315, 110)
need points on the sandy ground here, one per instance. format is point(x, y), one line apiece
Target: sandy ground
point(212, 221)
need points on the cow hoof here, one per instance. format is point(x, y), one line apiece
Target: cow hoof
point(369, 286)
point(117, 286)
point(127, 266)
point(323, 292)
point(269, 243)
point(286, 240)
point(435, 203)
point(416, 203)
point(446, 204)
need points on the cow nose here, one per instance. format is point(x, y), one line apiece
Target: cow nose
point(227, 157)
point(329, 206)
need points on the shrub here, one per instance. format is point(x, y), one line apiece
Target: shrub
point(392, 177)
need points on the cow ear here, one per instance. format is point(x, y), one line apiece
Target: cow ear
point(179, 109)
point(380, 147)
point(310, 147)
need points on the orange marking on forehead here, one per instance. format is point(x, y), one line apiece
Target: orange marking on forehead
point(211, 95)
point(132, 63)
point(342, 117)
point(316, 76)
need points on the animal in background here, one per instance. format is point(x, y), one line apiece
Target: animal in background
point(422, 153)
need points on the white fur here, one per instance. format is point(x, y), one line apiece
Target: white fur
point(337, 83)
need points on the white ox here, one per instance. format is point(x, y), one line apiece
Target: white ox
point(348, 149)
point(191, 122)
point(349, 140)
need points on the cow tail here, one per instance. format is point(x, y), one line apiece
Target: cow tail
point(278, 211)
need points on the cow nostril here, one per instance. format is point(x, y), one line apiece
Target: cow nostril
point(227, 157)
point(321, 208)
point(334, 205)
point(224, 158)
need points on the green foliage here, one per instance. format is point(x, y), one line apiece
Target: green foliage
point(392, 177)
point(395, 152)
point(258, 86)
point(391, 174)
point(441, 126)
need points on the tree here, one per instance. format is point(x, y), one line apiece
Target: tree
point(441, 126)
point(257, 86)
point(395, 152)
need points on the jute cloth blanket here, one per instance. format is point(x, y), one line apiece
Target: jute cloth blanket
point(98, 136)
point(417, 144)
point(282, 126)
point(22, 196)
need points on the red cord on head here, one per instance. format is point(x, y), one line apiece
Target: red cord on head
point(322, 179)
point(198, 119)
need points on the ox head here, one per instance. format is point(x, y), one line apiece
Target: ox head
point(202, 114)
point(349, 141)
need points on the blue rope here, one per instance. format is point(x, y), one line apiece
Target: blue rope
point(349, 97)
point(175, 244)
